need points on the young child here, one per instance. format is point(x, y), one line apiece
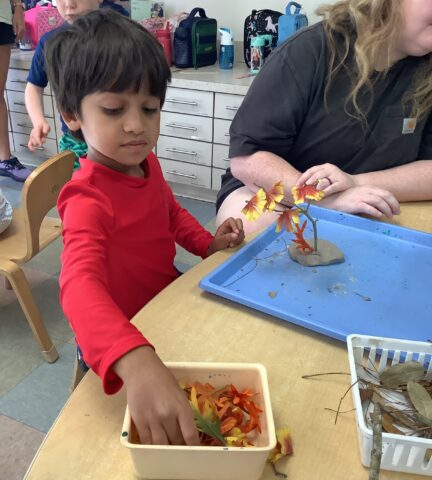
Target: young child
point(37, 80)
point(120, 218)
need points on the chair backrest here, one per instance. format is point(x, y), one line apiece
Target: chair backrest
point(40, 192)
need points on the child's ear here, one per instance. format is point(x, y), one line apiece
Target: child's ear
point(71, 121)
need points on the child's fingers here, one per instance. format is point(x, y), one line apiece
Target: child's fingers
point(144, 434)
point(188, 428)
point(159, 436)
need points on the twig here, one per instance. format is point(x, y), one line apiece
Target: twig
point(335, 411)
point(277, 472)
point(376, 452)
point(327, 373)
point(341, 399)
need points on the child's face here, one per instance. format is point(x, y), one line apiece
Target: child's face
point(72, 9)
point(120, 129)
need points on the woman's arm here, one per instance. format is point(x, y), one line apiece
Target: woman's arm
point(263, 169)
point(408, 183)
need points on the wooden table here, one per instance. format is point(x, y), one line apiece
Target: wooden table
point(187, 324)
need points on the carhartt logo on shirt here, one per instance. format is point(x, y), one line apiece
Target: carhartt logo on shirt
point(409, 125)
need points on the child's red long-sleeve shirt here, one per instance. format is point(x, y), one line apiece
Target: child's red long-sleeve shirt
point(119, 235)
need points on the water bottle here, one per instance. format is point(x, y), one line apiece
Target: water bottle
point(226, 52)
point(258, 45)
point(164, 37)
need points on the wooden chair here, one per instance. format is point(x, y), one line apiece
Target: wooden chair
point(29, 233)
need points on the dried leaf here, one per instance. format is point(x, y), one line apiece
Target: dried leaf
point(389, 426)
point(401, 374)
point(421, 400)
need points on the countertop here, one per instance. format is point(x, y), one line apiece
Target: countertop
point(212, 78)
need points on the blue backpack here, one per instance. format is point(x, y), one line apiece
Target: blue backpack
point(291, 22)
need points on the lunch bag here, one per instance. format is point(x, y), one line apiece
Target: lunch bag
point(195, 40)
point(40, 20)
point(291, 22)
point(260, 22)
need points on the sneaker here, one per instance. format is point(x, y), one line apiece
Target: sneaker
point(15, 169)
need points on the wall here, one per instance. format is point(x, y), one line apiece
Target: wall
point(231, 13)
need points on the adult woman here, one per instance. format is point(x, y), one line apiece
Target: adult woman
point(347, 102)
point(11, 30)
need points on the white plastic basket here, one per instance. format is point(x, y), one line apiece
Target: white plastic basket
point(399, 453)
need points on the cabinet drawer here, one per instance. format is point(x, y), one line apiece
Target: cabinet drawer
point(186, 126)
point(186, 173)
point(17, 103)
point(226, 105)
point(46, 151)
point(11, 142)
point(17, 80)
point(221, 156)
point(221, 131)
point(217, 178)
point(195, 102)
point(21, 123)
point(183, 150)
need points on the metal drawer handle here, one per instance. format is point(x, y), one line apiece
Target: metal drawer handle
point(22, 104)
point(232, 107)
point(24, 125)
point(178, 150)
point(182, 102)
point(18, 81)
point(26, 146)
point(226, 159)
point(183, 127)
point(173, 172)
point(227, 134)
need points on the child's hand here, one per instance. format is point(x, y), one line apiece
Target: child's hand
point(38, 135)
point(159, 408)
point(229, 234)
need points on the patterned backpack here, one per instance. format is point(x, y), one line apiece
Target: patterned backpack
point(260, 22)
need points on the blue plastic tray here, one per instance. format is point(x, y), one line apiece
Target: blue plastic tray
point(384, 287)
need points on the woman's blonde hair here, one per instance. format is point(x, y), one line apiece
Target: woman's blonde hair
point(369, 27)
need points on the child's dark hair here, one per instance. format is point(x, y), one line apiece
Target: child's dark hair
point(103, 51)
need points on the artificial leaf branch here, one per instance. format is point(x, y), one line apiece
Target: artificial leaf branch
point(289, 218)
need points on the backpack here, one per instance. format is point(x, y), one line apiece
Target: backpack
point(260, 22)
point(195, 41)
point(291, 22)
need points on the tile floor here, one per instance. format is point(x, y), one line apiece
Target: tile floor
point(33, 392)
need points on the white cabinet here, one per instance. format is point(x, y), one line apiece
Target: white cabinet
point(194, 142)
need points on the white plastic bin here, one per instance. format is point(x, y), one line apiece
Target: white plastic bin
point(400, 453)
point(209, 463)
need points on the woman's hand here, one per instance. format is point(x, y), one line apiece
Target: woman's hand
point(372, 201)
point(18, 22)
point(229, 234)
point(327, 177)
point(159, 408)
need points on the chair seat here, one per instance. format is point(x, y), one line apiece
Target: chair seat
point(13, 243)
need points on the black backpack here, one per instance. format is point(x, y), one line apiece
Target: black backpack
point(195, 41)
point(260, 22)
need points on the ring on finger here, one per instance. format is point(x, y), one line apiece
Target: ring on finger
point(324, 178)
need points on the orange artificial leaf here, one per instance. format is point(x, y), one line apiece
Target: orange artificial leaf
point(287, 218)
point(228, 424)
point(255, 206)
point(302, 244)
point(274, 195)
point(283, 447)
point(306, 192)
